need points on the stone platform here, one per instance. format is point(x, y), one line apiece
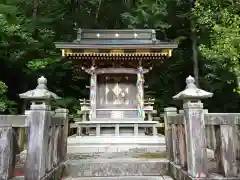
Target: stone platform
point(93, 144)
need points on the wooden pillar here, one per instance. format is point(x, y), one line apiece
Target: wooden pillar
point(140, 92)
point(93, 91)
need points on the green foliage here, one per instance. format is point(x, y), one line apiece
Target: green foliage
point(28, 30)
point(6, 106)
point(72, 104)
point(221, 24)
point(147, 14)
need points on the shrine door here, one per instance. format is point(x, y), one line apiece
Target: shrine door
point(116, 91)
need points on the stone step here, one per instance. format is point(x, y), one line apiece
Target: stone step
point(91, 144)
point(116, 167)
point(122, 178)
point(112, 148)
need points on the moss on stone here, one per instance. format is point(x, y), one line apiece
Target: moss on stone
point(153, 155)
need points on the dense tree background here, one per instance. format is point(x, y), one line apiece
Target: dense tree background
point(208, 32)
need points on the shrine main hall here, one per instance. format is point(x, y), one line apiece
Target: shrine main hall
point(116, 116)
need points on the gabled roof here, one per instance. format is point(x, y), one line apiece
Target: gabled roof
point(116, 38)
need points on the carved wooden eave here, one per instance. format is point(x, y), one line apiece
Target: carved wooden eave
point(116, 71)
point(117, 45)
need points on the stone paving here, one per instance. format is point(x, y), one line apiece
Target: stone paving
point(124, 178)
point(131, 156)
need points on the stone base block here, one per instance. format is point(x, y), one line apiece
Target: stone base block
point(92, 144)
point(116, 167)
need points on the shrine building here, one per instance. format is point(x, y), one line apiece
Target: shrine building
point(116, 115)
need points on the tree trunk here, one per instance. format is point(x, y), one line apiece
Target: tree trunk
point(194, 50)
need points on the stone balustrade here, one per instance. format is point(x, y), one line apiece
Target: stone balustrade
point(201, 145)
point(111, 113)
point(219, 134)
point(47, 137)
point(135, 128)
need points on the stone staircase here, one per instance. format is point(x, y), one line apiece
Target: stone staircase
point(130, 165)
point(134, 164)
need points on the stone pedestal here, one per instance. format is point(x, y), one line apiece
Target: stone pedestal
point(194, 128)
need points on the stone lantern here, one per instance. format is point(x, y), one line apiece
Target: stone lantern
point(191, 92)
point(194, 127)
point(40, 95)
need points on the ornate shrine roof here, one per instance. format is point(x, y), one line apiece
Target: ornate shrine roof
point(115, 39)
point(124, 44)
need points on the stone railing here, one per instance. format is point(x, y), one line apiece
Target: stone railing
point(47, 137)
point(108, 113)
point(218, 133)
point(148, 109)
point(85, 109)
point(94, 127)
point(201, 145)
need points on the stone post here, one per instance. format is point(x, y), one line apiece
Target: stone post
point(63, 113)
point(117, 130)
point(39, 119)
point(135, 129)
point(194, 128)
point(169, 111)
point(7, 152)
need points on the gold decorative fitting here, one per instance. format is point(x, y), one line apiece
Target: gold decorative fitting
point(143, 51)
point(117, 54)
point(170, 52)
point(116, 51)
point(63, 52)
point(91, 51)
